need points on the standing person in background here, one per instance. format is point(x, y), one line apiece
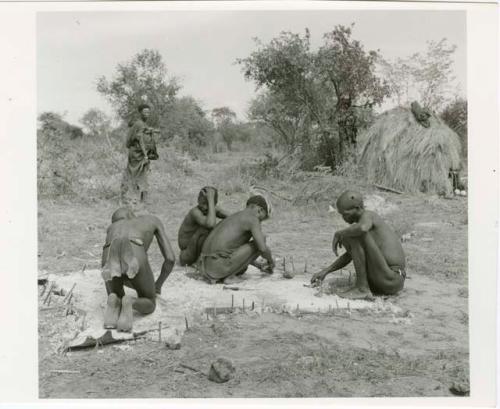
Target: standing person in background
point(141, 149)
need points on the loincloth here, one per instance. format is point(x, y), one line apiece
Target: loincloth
point(121, 260)
point(219, 254)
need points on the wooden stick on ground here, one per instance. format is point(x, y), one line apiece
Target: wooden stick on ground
point(186, 321)
point(159, 331)
point(305, 267)
point(293, 266)
point(191, 368)
point(70, 293)
point(63, 371)
point(49, 292)
point(388, 189)
point(273, 193)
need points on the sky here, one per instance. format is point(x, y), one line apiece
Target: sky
point(200, 48)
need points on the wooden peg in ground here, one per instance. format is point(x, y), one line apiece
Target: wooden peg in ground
point(51, 286)
point(286, 274)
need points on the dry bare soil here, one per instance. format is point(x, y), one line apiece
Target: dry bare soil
point(422, 353)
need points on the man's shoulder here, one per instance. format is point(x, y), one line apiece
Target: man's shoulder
point(249, 218)
point(374, 217)
point(149, 219)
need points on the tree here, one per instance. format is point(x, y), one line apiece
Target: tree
point(433, 73)
point(224, 119)
point(349, 72)
point(287, 122)
point(455, 116)
point(426, 77)
point(398, 76)
point(53, 126)
point(313, 95)
point(96, 122)
point(186, 119)
point(142, 79)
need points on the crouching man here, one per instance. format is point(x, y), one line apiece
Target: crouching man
point(373, 247)
point(197, 224)
point(236, 242)
point(125, 261)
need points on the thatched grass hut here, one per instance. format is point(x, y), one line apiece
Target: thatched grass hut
point(400, 153)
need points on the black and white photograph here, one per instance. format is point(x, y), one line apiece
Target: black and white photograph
point(254, 203)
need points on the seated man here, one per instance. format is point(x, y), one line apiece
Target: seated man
point(374, 248)
point(125, 261)
point(236, 242)
point(197, 225)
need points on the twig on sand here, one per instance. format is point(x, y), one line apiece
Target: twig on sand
point(234, 288)
point(186, 321)
point(51, 286)
point(159, 331)
point(273, 193)
point(63, 371)
point(192, 369)
point(69, 295)
point(232, 302)
point(54, 307)
point(388, 189)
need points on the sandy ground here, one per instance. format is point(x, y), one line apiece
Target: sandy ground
point(413, 344)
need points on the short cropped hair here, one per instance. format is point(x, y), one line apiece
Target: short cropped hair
point(259, 201)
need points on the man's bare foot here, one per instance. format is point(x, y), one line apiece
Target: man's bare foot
point(126, 315)
point(233, 279)
point(112, 312)
point(357, 294)
point(342, 290)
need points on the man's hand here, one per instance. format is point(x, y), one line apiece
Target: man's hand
point(318, 277)
point(210, 193)
point(337, 242)
point(269, 268)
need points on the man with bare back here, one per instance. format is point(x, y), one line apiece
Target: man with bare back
point(236, 242)
point(373, 247)
point(197, 224)
point(125, 262)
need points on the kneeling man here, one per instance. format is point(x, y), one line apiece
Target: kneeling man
point(236, 242)
point(125, 261)
point(373, 247)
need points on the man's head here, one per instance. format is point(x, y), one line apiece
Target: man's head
point(350, 206)
point(144, 110)
point(261, 206)
point(122, 213)
point(202, 198)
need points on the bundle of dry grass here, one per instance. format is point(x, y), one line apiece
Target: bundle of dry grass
point(398, 152)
